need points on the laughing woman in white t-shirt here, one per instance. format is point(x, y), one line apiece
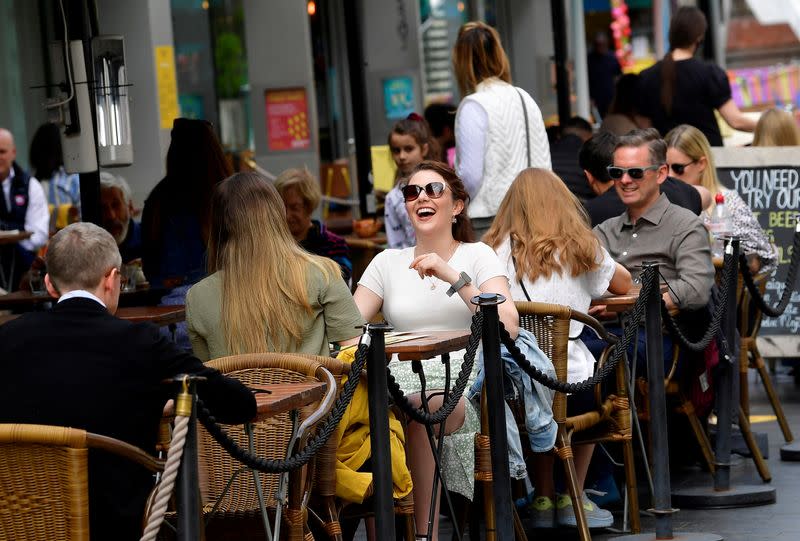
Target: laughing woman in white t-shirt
point(542, 236)
point(429, 287)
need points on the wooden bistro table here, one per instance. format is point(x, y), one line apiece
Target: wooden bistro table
point(11, 237)
point(285, 397)
point(163, 316)
point(429, 344)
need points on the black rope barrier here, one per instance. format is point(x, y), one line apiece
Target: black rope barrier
point(788, 286)
point(315, 443)
point(649, 287)
point(450, 401)
point(716, 320)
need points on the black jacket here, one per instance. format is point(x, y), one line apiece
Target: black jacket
point(78, 366)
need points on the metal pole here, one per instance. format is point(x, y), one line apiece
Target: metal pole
point(358, 98)
point(725, 383)
point(383, 506)
point(493, 370)
point(560, 50)
point(662, 503)
point(578, 34)
point(189, 515)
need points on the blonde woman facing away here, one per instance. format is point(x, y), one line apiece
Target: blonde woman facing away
point(690, 159)
point(264, 292)
point(551, 255)
point(776, 128)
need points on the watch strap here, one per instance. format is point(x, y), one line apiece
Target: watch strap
point(463, 280)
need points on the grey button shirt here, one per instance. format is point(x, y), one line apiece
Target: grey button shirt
point(672, 236)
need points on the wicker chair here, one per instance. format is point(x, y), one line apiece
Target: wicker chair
point(44, 487)
point(609, 422)
point(226, 486)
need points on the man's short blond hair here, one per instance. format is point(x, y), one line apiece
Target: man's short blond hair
point(80, 255)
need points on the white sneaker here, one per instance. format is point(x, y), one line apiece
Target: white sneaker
point(595, 516)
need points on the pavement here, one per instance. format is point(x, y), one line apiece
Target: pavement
point(773, 522)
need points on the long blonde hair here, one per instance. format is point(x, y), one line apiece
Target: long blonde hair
point(547, 225)
point(694, 144)
point(264, 271)
point(776, 128)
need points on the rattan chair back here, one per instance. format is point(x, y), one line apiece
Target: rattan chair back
point(224, 482)
point(44, 480)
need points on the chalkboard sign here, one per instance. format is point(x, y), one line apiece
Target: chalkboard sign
point(768, 179)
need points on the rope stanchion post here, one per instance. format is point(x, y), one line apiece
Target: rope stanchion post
point(722, 494)
point(190, 524)
point(662, 501)
point(379, 431)
point(726, 382)
point(662, 504)
point(493, 370)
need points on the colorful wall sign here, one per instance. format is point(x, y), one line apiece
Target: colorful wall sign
point(287, 119)
point(398, 97)
point(772, 85)
point(167, 85)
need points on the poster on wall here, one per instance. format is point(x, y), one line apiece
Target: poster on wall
point(768, 180)
point(287, 119)
point(398, 97)
point(167, 85)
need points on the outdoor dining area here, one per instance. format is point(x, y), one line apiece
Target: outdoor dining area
point(282, 465)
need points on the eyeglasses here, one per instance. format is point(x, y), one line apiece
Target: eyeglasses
point(636, 173)
point(679, 168)
point(434, 190)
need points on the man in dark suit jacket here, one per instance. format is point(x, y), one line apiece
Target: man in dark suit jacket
point(598, 153)
point(77, 365)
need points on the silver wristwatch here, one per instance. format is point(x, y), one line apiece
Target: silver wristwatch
point(462, 281)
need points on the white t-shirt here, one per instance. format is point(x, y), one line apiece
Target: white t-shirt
point(575, 292)
point(410, 304)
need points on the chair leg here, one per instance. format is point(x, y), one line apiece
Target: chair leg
point(489, 514)
point(758, 362)
point(519, 530)
point(744, 367)
point(575, 492)
point(758, 459)
point(699, 432)
point(630, 483)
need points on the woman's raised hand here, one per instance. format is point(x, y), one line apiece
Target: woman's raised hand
point(432, 264)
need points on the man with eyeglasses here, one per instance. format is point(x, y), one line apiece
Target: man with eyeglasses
point(597, 154)
point(652, 228)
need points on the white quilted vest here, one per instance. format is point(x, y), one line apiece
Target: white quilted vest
point(504, 154)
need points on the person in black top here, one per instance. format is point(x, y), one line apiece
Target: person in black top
point(681, 89)
point(564, 156)
point(603, 68)
point(596, 155)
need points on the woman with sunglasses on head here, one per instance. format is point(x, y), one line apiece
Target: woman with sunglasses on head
point(429, 287)
point(551, 255)
point(499, 127)
point(690, 159)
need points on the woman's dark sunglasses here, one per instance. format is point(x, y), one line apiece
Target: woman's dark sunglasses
point(411, 192)
point(636, 173)
point(679, 168)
